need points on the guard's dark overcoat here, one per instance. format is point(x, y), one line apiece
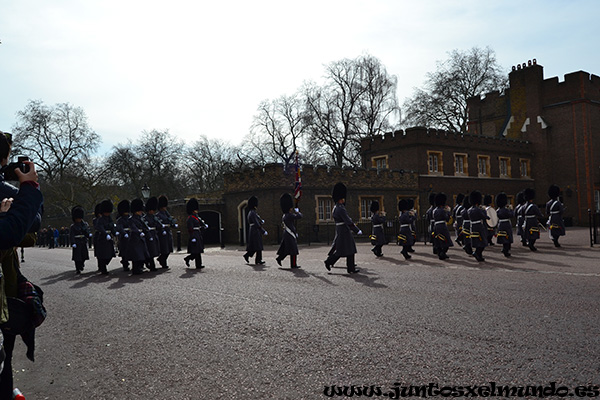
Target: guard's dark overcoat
point(556, 225)
point(406, 237)
point(137, 250)
point(531, 228)
point(195, 226)
point(152, 239)
point(457, 214)
point(289, 243)
point(505, 230)
point(465, 231)
point(378, 222)
point(441, 234)
point(124, 235)
point(478, 216)
point(165, 236)
point(343, 242)
point(78, 235)
point(105, 228)
point(519, 210)
point(255, 232)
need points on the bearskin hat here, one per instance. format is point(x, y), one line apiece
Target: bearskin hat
point(487, 200)
point(374, 206)
point(529, 194)
point(252, 202)
point(403, 205)
point(339, 192)
point(77, 213)
point(467, 201)
point(553, 191)
point(410, 203)
point(440, 199)
point(163, 201)
point(475, 197)
point(459, 198)
point(501, 200)
point(191, 205)
point(152, 204)
point(106, 206)
point(431, 199)
point(137, 205)
point(520, 197)
point(286, 202)
point(97, 210)
point(123, 207)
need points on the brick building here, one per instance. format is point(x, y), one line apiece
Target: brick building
point(271, 181)
point(538, 132)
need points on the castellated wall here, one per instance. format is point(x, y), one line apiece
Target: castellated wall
point(272, 176)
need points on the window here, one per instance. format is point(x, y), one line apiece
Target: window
point(324, 207)
point(524, 167)
point(461, 166)
point(380, 162)
point(504, 163)
point(365, 205)
point(597, 199)
point(483, 165)
point(434, 163)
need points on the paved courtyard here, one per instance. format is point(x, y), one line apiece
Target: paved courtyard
point(236, 331)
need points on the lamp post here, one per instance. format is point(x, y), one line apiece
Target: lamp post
point(146, 191)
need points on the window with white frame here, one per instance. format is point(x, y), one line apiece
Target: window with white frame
point(434, 163)
point(324, 207)
point(504, 165)
point(461, 166)
point(483, 166)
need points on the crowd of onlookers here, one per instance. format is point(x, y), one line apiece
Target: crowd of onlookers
point(51, 237)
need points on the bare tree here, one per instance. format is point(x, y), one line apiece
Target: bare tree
point(356, 101)
point(56, 137)
point(206, 162)
point(442, 103)
point(278, 129)
point(155, 160)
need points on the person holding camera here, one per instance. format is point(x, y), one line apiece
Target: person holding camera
point(20, 215)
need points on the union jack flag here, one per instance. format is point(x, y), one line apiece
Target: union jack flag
point(298, 188)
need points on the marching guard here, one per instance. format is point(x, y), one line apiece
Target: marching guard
point(429, 220)
point(378, 221)
point(441, 235)
point(505, 229)
point(554, 211)
point(123, 209)
point(289, 243)
point(458, 218)
point(195, 226)
point(465, 232)
point(406, 220)
point(531, 212)
point(165, 238)
point(138, 230)
point(106, 230)
point(153, 225)
point(520, 217)
point(255, 233)
point(79, 234)
point(478, 216)
point(343, 241)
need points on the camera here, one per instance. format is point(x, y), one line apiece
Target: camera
point(9, 169)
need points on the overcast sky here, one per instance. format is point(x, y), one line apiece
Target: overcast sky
point(201, 68)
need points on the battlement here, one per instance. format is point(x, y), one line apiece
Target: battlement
point(436, 137)
point(576, 85)
point(316, 177)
